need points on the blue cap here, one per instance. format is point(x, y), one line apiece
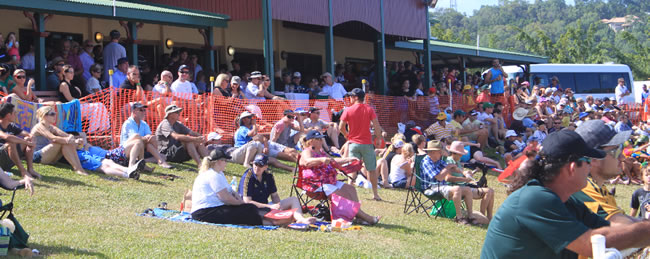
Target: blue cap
point(261, 160)
point(313, 134)
point(182, 67)
point(582, 115)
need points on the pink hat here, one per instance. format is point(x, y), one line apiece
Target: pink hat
point(457, 147)
point(525, 83)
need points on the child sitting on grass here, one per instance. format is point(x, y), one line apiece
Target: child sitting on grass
point(641, 197)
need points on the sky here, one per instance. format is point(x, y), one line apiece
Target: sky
point(468, 6)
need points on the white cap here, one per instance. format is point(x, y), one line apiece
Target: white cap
point(296, 74)
point(214, 136)
point(398, 144)
point(511, 133)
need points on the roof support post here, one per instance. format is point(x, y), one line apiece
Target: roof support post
point(329, 40)
point(427, 53)
point(208, 46)
point(267, 24)
point(380, 57)
point(463, 63)
point(132, 40)
point(38, 25)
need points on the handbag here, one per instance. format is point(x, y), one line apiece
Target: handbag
point(444, 208)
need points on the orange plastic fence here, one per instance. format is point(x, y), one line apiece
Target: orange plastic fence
point(104, 112)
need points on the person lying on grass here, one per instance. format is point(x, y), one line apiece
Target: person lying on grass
point(52, 143)
point(323, 175)
point(257, 185)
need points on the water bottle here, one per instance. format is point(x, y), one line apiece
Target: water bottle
point(233, 184)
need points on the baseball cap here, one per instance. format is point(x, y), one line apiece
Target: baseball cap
point(561, 144)
point(214, 136)
point(235, 80)
point(138, 105)
point(288, 112)
point(182, 67)
point(261, 160)
point(297, 74)
point(511, 133)
point(459, 113)
point(487, 105)
point(313, 109)
point(314, 134)
point(217, 154)
point(473, 113)
point(582, 115)
point(596, 134)
point(356, 92)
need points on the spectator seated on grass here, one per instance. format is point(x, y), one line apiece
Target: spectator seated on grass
point(52, 143)
point(257, 185)
point(386, 156)
point(323, 175)
point(281, 132)
point(313, 122)
point(248, 143)
point(214, 201)
point(641, 198)
point(14, 143)
point(401, 166)
point(177, 142)
point(135, 131)
point(436, 173)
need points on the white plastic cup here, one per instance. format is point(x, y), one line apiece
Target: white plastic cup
point(598, 246)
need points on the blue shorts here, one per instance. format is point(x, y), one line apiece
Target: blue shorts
point(399, 184)
point(89, 161)
point(38, 155)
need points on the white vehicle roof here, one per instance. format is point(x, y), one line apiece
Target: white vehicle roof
point(578, 68)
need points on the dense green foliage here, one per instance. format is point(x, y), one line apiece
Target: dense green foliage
point(564, 33)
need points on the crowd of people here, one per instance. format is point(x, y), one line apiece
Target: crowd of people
point(558, 194)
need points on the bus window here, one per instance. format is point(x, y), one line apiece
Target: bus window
point(540, 79)
point(609, 81)
point(566, 80)
point(587, 83)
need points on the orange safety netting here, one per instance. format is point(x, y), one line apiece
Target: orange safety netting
point(103, 113)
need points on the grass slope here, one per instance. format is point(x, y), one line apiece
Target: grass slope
point(89, 216)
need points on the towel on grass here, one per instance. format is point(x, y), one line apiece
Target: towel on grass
point(178, 216)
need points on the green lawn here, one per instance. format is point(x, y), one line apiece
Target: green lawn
point(90, 216)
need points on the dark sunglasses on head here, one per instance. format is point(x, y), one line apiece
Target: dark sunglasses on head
point(20, 77)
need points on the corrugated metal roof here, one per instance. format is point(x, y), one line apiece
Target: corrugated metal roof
point(451, 48)
point(145, 7)
point(235, 9)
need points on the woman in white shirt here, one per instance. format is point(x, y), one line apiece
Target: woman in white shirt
point(214, 201)
point(400, 167)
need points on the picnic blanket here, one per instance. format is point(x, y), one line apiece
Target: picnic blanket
point(186, 217)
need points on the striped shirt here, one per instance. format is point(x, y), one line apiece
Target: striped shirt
point(438, 131)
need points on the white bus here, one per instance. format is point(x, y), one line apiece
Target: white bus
point(598, 80)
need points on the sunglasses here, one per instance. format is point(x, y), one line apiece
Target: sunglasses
point(97, 71)
point(20, 77)
point(185, 72)
point(291, 117)
point(69, 71)
point(141, 110)
point(50, 114)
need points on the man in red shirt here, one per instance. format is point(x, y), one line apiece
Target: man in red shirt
point(358, 117)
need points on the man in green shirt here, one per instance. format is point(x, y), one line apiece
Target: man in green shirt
point(538, 220)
